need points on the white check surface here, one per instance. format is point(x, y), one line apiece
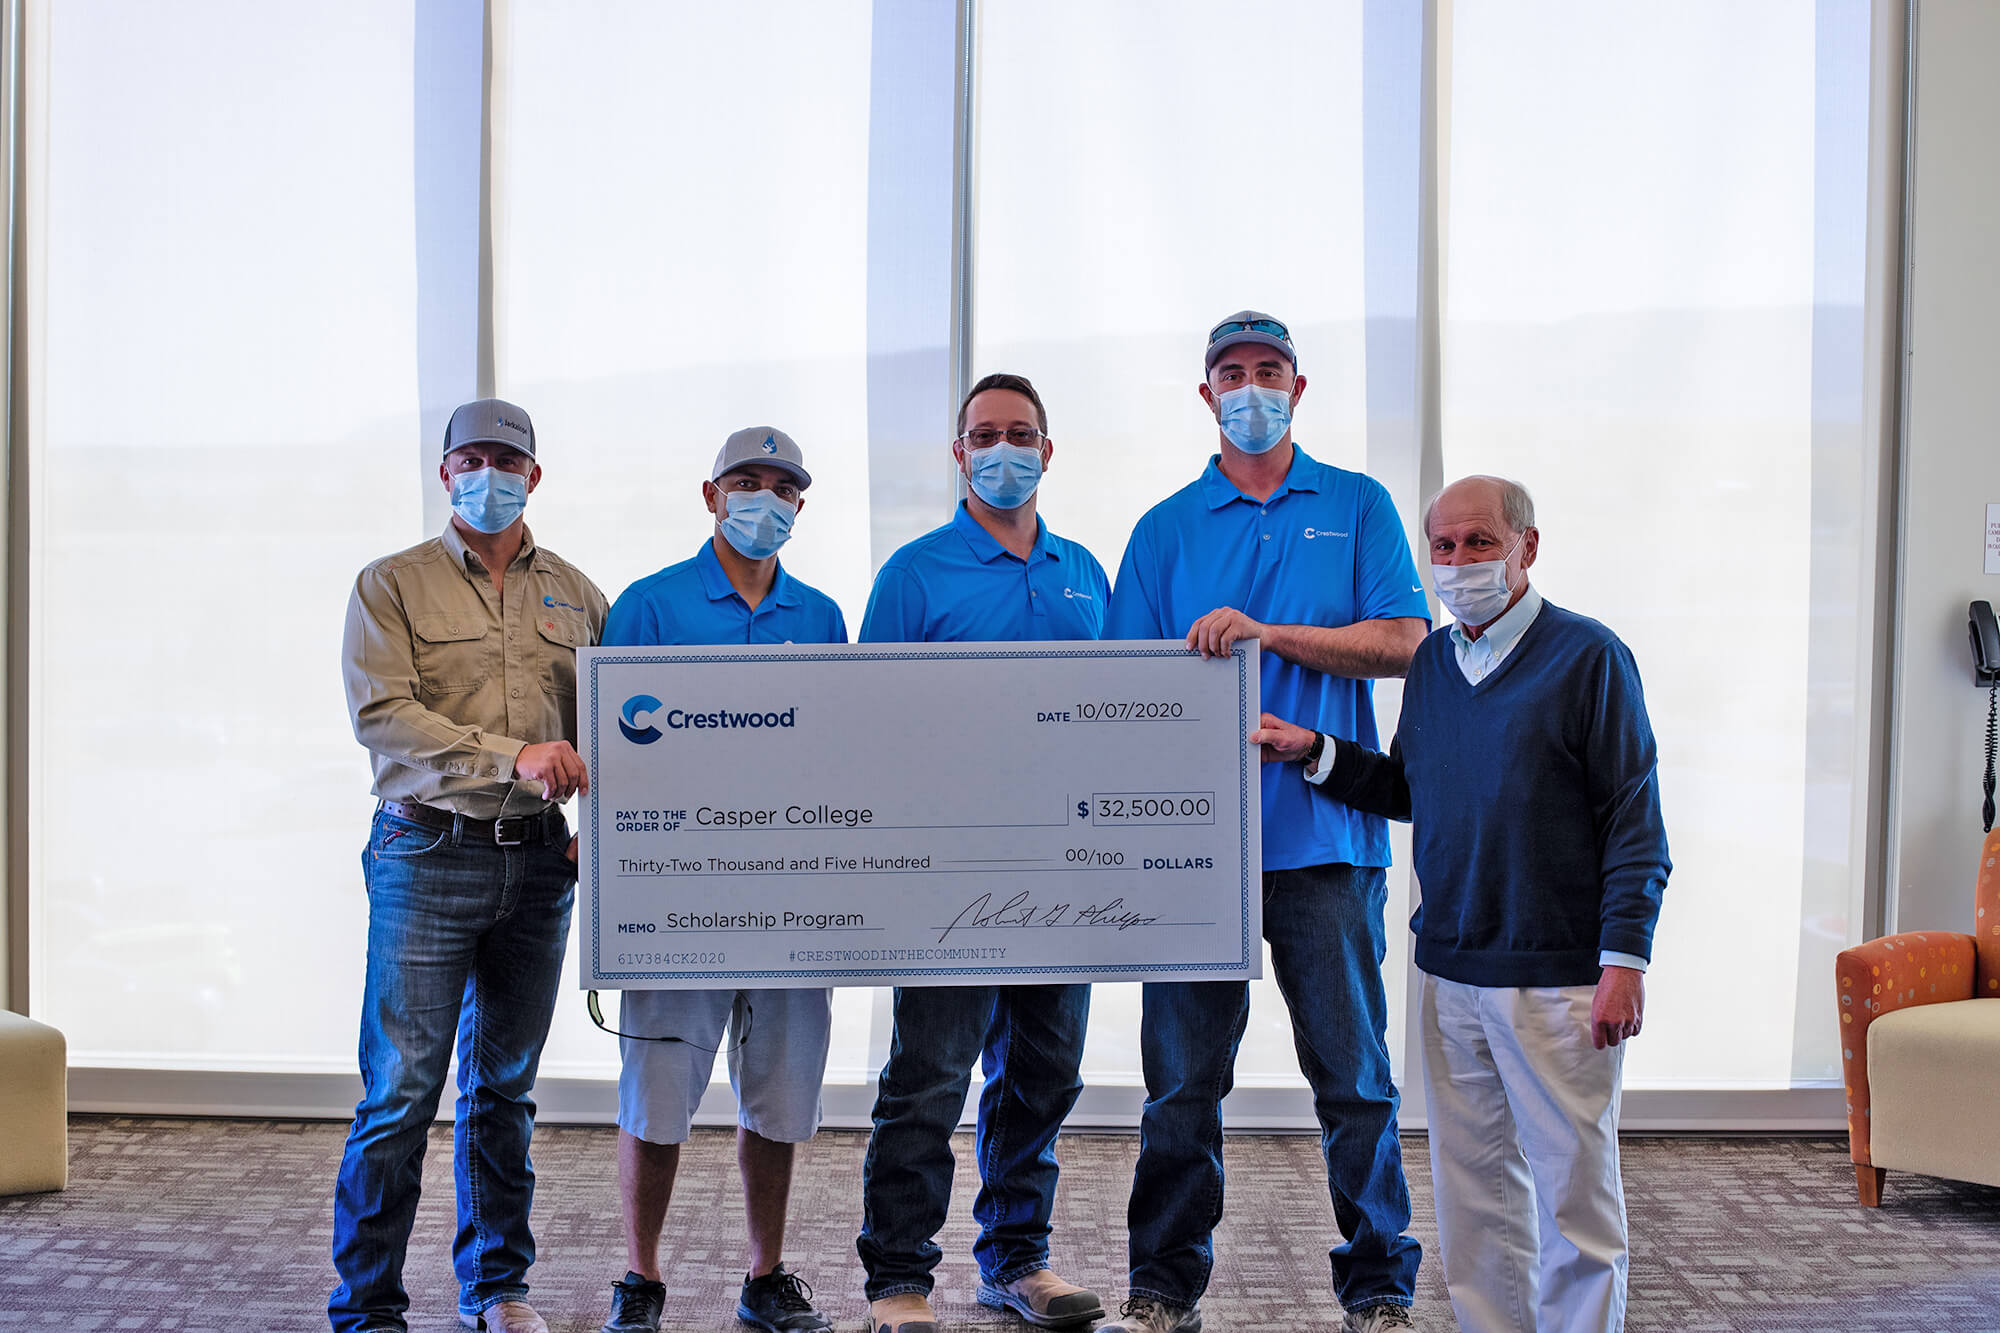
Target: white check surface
point(904, 814)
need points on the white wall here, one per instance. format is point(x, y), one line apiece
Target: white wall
point(1952, 389)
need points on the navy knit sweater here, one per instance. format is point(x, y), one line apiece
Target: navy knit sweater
point(1535, 805)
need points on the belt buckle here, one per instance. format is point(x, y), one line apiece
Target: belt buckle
point(518, 826)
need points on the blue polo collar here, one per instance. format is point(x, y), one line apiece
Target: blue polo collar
point(1306, 474)
point(984, 545)
point(715, 579)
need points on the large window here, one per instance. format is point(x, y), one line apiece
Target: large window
point(683, 252)
point(1649, 228)
point(225, 430)
point(1119, 219)
point(1652, 318)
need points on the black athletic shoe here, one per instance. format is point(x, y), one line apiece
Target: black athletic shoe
point(635, 1306)
point(780, 1302)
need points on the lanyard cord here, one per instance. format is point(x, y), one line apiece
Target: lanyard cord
point(597, 1016)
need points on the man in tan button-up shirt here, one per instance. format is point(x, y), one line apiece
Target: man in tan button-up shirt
point(460, 666)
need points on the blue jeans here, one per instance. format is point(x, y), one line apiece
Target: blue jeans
point(465, 941)
point(1325, 928)
point(1029, 1040)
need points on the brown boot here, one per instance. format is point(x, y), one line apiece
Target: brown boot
point(907, 1312)
point(1043, 1299)
point(1143, 1314)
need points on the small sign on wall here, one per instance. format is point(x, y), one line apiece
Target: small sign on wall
point(1993, 539)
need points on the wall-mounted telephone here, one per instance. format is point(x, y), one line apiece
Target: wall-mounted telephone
point(1986, 671)
point(1985, 643)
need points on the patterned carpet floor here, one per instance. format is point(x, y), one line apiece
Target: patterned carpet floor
point(195, 1225)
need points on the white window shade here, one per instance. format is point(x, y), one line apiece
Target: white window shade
point(224, 427)
point(1630, 330)
point(682, 196)
point(682, 236)
point(1142, 175)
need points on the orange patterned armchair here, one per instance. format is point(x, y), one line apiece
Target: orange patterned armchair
point(1920, 1047)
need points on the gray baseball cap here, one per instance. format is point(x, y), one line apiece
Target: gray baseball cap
point(1249, 326)
point(761, 444)
point(490, 421)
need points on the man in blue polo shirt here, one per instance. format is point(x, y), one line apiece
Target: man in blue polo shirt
point(732, 591)
point(1271, 544)
point(995, 572)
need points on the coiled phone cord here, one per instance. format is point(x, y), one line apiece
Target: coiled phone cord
point(1992, 748)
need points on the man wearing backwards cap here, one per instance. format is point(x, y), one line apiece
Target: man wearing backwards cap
point(732, 591)
point(1311, 560)
point(460, 666)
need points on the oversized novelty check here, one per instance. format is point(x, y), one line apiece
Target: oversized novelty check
point(916, 815)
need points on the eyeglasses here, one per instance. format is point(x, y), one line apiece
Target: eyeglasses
point(1270, 326)
point(982, 437)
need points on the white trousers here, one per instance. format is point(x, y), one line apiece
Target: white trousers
point(1524, 1158)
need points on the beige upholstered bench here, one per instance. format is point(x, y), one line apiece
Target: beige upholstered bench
point(34, 1106)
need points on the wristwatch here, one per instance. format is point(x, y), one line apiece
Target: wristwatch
point(1315, 750)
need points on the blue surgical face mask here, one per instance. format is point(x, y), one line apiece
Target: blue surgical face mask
point(1255, 418)
point(1475, 594)
point(489, 499)
point(757, 523)
point(1004, 475)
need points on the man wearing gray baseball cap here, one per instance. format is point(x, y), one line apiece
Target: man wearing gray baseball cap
point(460, 666)
point(732, 591)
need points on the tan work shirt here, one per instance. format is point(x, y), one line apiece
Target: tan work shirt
point(446, 684)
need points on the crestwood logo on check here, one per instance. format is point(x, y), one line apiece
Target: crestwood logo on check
point(680, 719)
point(636, 707)
point(1095, 818)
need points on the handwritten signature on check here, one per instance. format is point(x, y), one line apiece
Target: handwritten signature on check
point(1023, 910)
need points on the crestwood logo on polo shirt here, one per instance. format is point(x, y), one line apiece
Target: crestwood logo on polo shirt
point(1322, 532)
point(1071, 592)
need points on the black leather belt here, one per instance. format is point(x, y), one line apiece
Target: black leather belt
point(514, 832)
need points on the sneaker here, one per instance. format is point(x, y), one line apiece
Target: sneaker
point(905, 1312)
point(1043, 1299)
point(780, 1302)
point(1143, 1314)
point(1377, 1319)
point(506, 1317)
point(635, 1305)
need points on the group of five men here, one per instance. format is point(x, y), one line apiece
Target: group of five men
point(1524, 759)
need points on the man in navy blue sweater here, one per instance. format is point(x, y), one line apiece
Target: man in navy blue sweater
point(1526, 764)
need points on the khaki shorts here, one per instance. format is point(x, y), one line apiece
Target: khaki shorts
point(776, 1041)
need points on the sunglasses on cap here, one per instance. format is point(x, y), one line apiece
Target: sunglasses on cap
point(1270, 326)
